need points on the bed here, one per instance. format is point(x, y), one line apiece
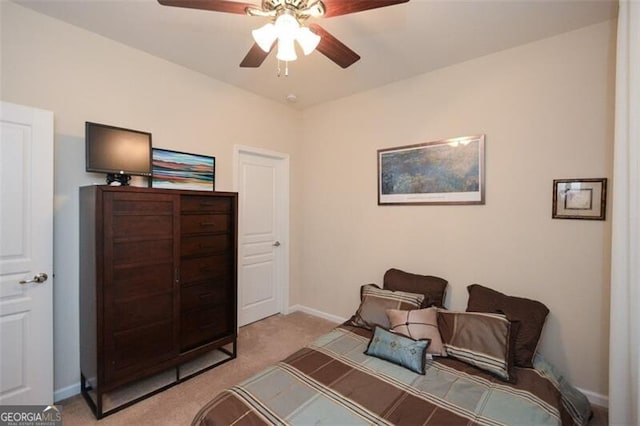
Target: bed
point(365, 372)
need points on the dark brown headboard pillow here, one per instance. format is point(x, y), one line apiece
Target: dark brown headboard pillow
point(530, 313)
point(433, 288)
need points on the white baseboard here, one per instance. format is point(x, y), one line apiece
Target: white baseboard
point(316, 313)
point(596, 398)
point(593, 397)
point(64, 393)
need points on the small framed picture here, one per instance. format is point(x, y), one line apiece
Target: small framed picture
point(182, 170)
point(579, 199)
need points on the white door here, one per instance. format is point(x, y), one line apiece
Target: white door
point(26, 255)
point(262, 182)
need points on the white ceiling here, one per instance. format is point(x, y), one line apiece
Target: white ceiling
point(394, 42)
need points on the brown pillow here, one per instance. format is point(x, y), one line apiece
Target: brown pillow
point(433, 288)
point(375, 302)
point(530, 313)
point(419, 324)
point(483, 340)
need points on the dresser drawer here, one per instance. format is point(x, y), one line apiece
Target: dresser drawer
point(203, 326)
point(204, 244)
point(195, 203)
point(205, 295)
point(204, 268)
point(203, 223)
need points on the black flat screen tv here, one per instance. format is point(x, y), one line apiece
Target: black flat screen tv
point(118, 152)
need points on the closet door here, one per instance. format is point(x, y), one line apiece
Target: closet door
point(140, 301)
point(26, 255)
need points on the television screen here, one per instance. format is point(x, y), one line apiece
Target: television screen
point(118, 151)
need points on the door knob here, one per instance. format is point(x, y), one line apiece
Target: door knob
point(276, 244)
point(40, 278)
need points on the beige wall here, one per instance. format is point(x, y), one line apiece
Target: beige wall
point(547, 112)
point(84, 77)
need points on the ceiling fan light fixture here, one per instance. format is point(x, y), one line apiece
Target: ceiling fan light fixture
point(286, 17)
point(265, 36)
point(286, 50)
point(287, 26)
point(307, 39)
point(286, 30)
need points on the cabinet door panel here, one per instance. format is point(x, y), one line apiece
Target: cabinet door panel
point(142, 204)
point(141, 303)
point(145, 251)
point(140, 281)
point(140, 311)
point(141, 347)
point(150, 226)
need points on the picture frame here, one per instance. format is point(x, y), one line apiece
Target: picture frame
point(447, 171)
point(580, 199)
point(182, 170)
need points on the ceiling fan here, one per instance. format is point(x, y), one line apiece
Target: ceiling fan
point(286, 17)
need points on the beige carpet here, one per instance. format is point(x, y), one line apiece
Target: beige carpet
point(259, 345)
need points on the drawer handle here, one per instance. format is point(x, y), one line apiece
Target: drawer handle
point(206, 295)
point(207, 223)
point(206, 246)
point(207, 268)
point(206, 326)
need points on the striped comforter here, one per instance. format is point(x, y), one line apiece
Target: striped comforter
point(333, 382)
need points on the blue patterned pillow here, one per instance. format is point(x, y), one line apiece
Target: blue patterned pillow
point(398, 349)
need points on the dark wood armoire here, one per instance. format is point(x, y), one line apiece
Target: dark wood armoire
point(158, 288)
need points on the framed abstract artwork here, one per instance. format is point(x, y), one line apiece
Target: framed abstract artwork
point(448, 171)
point(181, 170)
point(579, 199)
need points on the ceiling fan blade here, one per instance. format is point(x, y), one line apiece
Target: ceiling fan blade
point(213, 5)
point(342, 7)
point(333, 48)
point(255, 57)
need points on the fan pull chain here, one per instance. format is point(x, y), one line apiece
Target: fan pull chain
point(286, 68)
